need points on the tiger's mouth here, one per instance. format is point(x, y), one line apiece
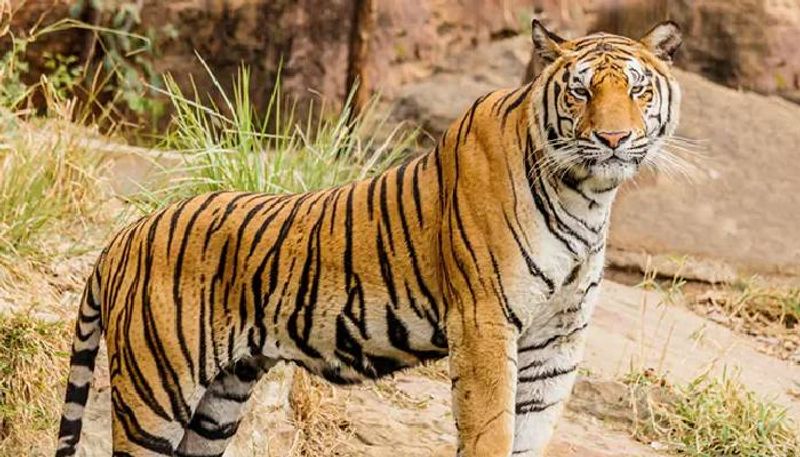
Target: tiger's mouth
point(630, 157)
point(613, 165)
point(604, 163)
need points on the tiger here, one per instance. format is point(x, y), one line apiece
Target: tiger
point(488, 249)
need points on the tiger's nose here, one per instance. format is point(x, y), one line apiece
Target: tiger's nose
point(611, 139)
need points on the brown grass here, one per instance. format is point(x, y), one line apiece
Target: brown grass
point(321, 422)
point(436, 370)
point(33, 365)
point(771, 314)
point(49, 187)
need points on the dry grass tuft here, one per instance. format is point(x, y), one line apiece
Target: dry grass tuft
point(320, 421)
point(49, 184)
point(437, 370)
point(709, 417)
point(33, 362)
point(771, 314)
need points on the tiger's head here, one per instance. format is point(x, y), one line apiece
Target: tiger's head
point(604, 104)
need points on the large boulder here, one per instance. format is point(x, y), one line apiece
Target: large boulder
point(743, 205)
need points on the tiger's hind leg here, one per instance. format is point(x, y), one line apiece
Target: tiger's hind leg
point(217, 417)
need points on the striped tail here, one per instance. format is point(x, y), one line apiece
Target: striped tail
point(88, 331)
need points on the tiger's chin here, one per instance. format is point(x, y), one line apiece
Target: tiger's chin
point(606, 173)
point(612, 170)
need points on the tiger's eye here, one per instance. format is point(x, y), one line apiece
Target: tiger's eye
point(579, 92)
point(638, 90)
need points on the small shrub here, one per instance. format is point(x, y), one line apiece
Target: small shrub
point(233, 148)
point(710, 417)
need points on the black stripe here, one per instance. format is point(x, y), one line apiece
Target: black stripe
point(257, 334)
point(168, 377)
point(412, 253)
point(550, 224)
point(560, 222)
point(507, 311)
point(549, 374)
point(353, 287)
point(513, 105)
point(533, 269)
point(462, 231)
point(399, 334)
point(439, 176)
point(533, 406)
point(177, 299)
point(416, 193)
point(136, 376)
point(220, 221)
point(134, 431)
point(307, 291)
point(206, 427)
point(385, 267)
point(498, 104)
point(553, 339)
point(472, 112)
point(371, 196)
point(384, 201)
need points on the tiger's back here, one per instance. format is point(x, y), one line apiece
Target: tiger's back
point(235, 274)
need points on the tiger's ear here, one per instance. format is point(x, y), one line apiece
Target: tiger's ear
point(546, 43)
point(663, 40)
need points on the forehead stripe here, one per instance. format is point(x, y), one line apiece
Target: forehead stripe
point(580, 45)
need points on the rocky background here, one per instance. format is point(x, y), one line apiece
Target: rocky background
point(748, 44)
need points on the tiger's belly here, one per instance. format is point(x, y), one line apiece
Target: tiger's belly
point(389, 338)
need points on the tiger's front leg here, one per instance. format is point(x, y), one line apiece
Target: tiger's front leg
point(548, 359)
point(483, 374)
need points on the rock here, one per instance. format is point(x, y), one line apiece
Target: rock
point(670, 266)
point(439, 100)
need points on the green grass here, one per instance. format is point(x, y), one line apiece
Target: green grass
point(232, 147)
point(33, 362)
point(711, 417)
